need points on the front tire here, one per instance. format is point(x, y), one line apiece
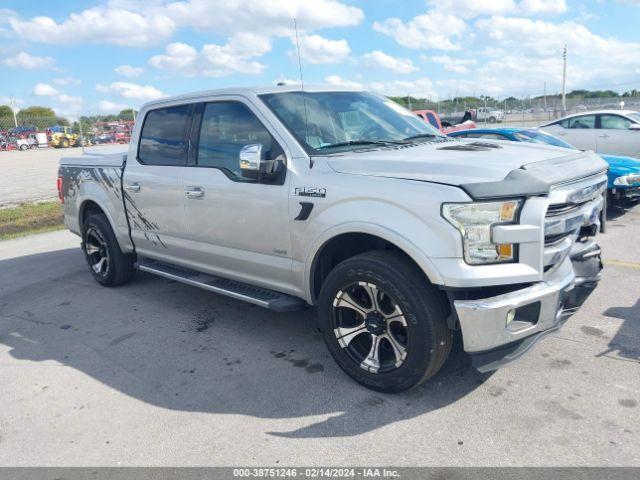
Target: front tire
point(108, 265)
point(383, 322)
point(492, 119)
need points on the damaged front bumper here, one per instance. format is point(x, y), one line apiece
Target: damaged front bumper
point(499, 329)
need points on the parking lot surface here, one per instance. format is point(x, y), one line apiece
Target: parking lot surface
point(159, 373)
point(31, 175)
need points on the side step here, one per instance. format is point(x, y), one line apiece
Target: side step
point(262, 297)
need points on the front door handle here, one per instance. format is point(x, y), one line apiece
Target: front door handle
point(132, 187)
point(194, 192)
point(603, 135)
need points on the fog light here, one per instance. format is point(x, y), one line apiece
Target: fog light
point(510, 316)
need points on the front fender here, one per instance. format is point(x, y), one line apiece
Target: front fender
point(400, 241)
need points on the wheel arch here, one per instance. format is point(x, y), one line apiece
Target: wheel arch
point(92, 206)
point(343, 243)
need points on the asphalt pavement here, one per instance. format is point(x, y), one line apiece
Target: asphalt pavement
point(159, 373)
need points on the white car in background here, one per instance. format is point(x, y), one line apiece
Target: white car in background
point(614, 132)
point(488, 114)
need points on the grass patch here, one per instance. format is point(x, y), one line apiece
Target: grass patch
point(30, 218)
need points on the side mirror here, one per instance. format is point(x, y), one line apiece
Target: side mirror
point(250, 159)
point(254, 166)
point(634, 126)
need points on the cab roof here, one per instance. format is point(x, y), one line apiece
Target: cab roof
point(251, 91)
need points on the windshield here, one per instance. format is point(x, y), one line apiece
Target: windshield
point(338, 121)
point(533, 136)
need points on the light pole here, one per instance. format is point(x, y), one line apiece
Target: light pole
point(564, 79)
point(13, 110)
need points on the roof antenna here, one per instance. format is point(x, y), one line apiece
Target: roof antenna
point(304, 99)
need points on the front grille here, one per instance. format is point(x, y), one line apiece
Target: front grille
point(551, 240)
point(572, 207)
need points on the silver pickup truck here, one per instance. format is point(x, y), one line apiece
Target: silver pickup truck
point(346, 201)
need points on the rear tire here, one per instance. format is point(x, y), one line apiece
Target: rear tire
point(108, 265)
point(394, 343)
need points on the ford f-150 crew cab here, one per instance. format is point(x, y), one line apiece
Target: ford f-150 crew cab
point(344, 200)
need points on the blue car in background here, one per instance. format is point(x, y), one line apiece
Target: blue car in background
point(624, 172)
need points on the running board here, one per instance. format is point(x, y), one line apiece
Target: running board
point(262, 297)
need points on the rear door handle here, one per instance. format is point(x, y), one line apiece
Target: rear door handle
point(132, 187)
point(194, 192)
point(603, 135)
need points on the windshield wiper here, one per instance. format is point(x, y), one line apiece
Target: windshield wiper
point(360, 142)
point(423, 135)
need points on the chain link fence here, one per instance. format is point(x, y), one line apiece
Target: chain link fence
point(528, 111)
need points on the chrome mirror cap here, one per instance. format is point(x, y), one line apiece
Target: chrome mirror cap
point(250, 156)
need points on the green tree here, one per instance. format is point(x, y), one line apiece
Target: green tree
point(127, 114)
point(5, 111)
point(40, 117)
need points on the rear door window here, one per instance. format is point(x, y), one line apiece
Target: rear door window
point(163, 138)
point(614, 122)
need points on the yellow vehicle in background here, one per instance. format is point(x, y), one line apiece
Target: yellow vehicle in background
point(64, 137)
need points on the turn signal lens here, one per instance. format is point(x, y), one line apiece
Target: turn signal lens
point(505, 250)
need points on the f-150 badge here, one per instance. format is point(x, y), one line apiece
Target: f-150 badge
point(310, 192)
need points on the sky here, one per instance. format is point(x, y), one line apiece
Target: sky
point(101, 56)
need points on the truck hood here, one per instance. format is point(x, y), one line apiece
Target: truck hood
point(479, 167)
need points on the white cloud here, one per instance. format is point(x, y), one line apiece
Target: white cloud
point(527, 54)
point(236, 56)
point(456, 65)
point(533, 7)
point(105, 106)
point(421, 87)
point(135, 23)
point(316, 49)
point(44, 90)
point(18, 102)
point(70, 101)
point(473, 8)
point(129, 71)
point(67, 81)
point(266, 17)
point(65, 105)
point(468, 9)
point(434, 30)
point(29, 62)
point(97, 25)
point(132, 91)
point(378, 59)
point(341, 82)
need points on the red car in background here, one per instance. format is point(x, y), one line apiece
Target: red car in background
point(445, 127)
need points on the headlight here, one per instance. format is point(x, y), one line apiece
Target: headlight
point(627, 180)
point(475, 221)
